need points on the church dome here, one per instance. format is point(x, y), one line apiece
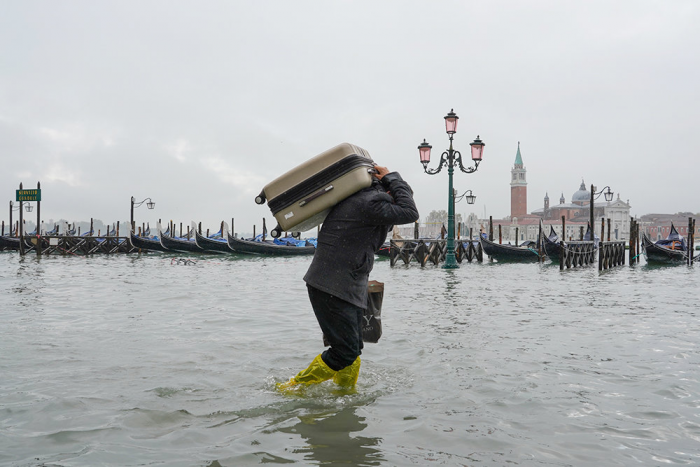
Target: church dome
point(582, 195)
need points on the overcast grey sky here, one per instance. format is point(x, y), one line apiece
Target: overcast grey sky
point(199, 104)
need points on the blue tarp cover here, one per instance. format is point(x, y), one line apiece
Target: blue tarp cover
point(674, 241)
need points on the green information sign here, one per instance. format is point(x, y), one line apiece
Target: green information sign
point(29, 195)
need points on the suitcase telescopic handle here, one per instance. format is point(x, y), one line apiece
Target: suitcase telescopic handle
point(316, 195)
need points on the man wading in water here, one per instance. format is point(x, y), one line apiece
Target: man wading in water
point(337, 279)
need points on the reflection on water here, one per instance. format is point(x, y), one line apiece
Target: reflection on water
point(131, 359)
point(328, 438)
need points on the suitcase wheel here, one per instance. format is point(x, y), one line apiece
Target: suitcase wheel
point(275, 233)
point(260, 199)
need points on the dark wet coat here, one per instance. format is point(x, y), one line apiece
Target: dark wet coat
point(353, 232)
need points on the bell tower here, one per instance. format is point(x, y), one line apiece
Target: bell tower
point(518, 187)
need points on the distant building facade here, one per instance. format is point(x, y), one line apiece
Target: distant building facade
point(521, 226)
point(518, 187)
point(658, 226)
point(578, 211)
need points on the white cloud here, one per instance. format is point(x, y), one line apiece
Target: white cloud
point(59, 173)
point(226, 98)
point(178, 149)
point(246, 181)
point(68, 140)
point(73, 139)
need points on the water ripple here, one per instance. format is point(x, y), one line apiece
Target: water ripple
point(133, 360)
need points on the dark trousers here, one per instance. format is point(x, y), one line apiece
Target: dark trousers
point(341, 323)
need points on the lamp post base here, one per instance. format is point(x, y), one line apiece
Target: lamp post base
point(450, 262)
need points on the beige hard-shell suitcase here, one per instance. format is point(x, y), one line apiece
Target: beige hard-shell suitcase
point(301, 198)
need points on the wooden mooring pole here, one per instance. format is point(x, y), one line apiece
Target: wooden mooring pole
point(21, 226)
point(539, 244)
point(631, 240)
point(694, 230)
point(38, 221)
point(691, 240)
point(563, 228)
point(561, 254)
point(636, 239)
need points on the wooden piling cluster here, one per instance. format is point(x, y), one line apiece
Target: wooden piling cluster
point(611, 254)
point(72, 245)
point(424, 250)
point(691, 240)
point(634, 242)
point(576, 254)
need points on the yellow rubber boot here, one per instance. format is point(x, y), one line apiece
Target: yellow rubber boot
point(347, 377)
point(317, 372)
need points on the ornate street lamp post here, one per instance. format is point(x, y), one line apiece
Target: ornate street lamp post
point(451, 158)
point(471, 199)
point(594, 196)
point(150, 205)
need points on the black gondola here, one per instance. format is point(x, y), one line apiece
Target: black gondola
point(268, 247)
point(385, 250)
point(9, 243)
point(180, 244)
point(551, 245)
point(406, 245)
point(503, 252)
point(70, 232)
point(670, 250)
point(146, 243)
point(217, 243)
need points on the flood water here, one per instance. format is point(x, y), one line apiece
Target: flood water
point(143, 360)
